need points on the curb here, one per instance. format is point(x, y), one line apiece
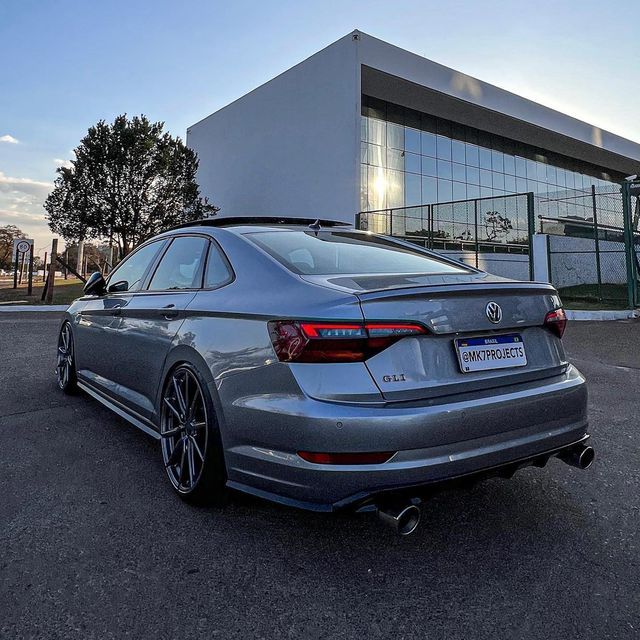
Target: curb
point(602, 315)
point(33, 307)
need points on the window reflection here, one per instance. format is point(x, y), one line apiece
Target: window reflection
point(409, 159)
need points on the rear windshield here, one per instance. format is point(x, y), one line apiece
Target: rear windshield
point(346, 252)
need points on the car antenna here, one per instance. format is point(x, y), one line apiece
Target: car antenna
point(315, 226)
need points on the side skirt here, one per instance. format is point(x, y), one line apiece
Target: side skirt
point(120, 410)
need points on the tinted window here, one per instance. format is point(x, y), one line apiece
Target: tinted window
point(181, 265)
point(346, 252)
point(218, 272)
point(132, 269)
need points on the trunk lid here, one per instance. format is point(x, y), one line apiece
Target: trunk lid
point(454, 307)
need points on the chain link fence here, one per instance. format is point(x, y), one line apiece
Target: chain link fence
point(588, 249)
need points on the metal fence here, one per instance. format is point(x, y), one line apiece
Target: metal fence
point(493, 234)
point(593, 237)
point(593, 244)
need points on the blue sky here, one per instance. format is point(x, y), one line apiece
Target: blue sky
point(69, 63)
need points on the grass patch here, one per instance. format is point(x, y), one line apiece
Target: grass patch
point(590, 296)
point(64, 292)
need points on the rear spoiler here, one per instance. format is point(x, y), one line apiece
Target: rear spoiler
point(225, 221)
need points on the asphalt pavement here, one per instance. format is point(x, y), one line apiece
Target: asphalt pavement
point(93, 544)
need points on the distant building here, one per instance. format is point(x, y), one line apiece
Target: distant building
point(364, 125)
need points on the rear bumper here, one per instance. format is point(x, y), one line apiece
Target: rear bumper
point(435, 442)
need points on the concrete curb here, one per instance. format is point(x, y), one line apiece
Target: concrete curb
point(601, 315)
point(33, 307)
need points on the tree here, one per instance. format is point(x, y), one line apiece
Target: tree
point(7, 235)
point(129, 181)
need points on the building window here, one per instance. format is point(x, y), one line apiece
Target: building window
point(410, 158)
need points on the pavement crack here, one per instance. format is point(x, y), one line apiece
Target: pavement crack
point(22, 413)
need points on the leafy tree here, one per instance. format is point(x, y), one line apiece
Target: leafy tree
point(129, 181)
point(7, 235)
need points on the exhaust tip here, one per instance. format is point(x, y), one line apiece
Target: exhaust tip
point(409, 520)
point(586, 457)
point(403, 519)
point(580, 456)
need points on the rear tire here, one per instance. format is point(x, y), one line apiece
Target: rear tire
point(190, 442)
point(66, 363)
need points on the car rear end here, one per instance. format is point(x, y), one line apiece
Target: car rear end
point(448, 373)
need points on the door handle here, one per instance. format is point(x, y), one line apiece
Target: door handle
point(169, 312)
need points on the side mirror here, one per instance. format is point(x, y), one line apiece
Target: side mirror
point(119, 287)
point(95, 285)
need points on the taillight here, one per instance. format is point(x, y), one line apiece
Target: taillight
point(556, 321)
point(374, 457)
point(300, 341)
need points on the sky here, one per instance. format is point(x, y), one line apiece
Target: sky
point(69, 63)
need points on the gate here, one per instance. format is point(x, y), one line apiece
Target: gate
point(493, 234)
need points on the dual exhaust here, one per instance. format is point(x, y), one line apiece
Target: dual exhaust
point(404, 517)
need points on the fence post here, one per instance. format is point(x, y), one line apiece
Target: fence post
point(30, 285)
point(15, 268)
point(475, 227)
point(531, 228)
point(629, 249)
point(596, 235)
point(52, 271)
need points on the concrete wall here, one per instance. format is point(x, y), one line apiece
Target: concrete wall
point(507, 265)
point(290, 147)
point(573, 261)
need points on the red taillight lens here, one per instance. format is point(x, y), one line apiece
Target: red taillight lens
point(375, 457)
point(295, 341)
point(556, 321)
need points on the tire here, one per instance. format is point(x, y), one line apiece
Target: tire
point(66, 361)
point(190, 441)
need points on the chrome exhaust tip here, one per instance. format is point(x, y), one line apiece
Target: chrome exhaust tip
point(580, 456)
point(404, 519)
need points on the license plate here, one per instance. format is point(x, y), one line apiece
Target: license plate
point(491, 352)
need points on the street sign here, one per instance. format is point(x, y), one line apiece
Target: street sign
point(21, 245)
point(22, 254)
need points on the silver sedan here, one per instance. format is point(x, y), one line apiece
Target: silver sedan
point(324, 367)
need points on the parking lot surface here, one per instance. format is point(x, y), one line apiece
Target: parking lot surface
point(93, 544)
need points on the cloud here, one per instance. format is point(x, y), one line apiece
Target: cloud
point(59, 162)
point(8, 139)
point(21, 201)
point(31, 187)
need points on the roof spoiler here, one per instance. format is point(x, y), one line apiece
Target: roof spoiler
point(223, 221)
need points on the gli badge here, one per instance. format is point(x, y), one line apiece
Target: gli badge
point(494, 312)
point(396, 377)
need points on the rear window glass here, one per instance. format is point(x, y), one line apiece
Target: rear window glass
point(344, 252)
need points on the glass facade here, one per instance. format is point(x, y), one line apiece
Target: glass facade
point(410, 158)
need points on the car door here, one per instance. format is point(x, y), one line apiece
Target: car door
point(98, 324)
point(151, 317)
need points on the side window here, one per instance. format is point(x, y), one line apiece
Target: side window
point(133, 268)
point(218, 272)
point(181, 266)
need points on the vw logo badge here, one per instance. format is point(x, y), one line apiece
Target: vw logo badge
point(494, 312)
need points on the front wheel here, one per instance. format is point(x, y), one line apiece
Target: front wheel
point(190, 438)
point(66, 365)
